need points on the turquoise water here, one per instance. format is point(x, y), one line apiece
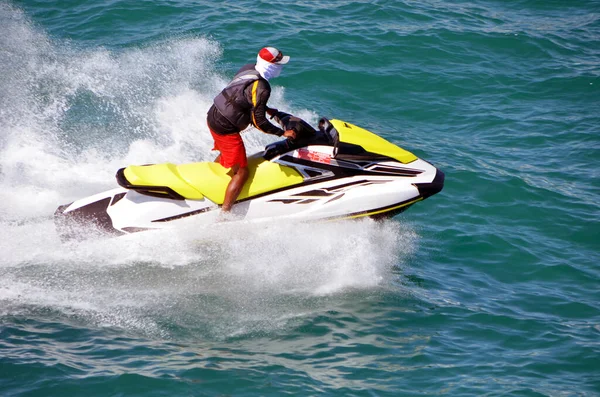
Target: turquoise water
point(489, 288)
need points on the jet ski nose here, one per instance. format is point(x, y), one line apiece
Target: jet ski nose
point(433, 187)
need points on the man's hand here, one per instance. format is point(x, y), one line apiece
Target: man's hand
point(290, 134)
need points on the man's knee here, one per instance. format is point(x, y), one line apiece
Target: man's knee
point(243, 173)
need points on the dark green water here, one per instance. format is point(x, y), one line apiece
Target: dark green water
point(491, 287)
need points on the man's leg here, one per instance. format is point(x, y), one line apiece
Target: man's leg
point(235, 186)
point(232, 155)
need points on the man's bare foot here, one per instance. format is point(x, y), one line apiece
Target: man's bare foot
point(226, 216)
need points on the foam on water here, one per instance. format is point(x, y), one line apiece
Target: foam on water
point(247, 272)
point(70, 118)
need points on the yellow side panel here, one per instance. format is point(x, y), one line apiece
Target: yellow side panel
point(212, 179)
point(161, 175)
point(350, 133)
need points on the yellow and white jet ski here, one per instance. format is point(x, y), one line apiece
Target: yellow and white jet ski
point(340, 172)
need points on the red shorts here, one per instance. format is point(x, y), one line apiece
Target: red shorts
point(232, 149)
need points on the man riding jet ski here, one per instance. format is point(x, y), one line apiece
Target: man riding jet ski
point(241, 103)
point(337, 171)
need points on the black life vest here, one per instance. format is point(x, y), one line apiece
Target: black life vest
point(232, 102)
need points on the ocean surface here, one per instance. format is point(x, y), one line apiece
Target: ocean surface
point(491, 287)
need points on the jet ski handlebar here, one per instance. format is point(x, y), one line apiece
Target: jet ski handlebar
point(305, 135)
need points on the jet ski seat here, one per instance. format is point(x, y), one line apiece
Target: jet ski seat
point(195, 181)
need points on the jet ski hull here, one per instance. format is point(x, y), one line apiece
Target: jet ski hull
point(322, 181)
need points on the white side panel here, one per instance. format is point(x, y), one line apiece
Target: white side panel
point(138, 210)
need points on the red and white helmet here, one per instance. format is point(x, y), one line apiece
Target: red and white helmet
point(273, 55)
